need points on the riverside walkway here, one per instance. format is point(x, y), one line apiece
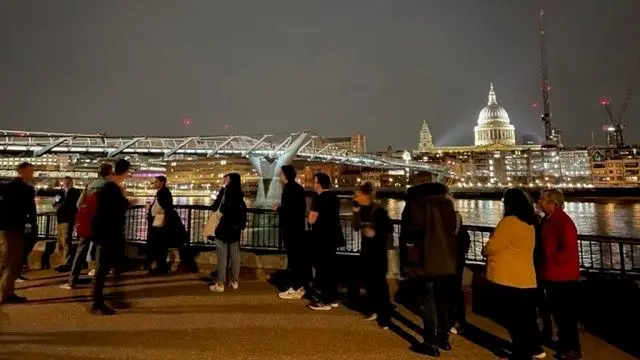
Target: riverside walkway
point(176, 317)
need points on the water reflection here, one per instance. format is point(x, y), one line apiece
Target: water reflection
point(610, 219)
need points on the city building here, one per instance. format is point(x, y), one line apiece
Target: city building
point(356, 143)
point(425, 142)
point(494, 127)
point(612, 167)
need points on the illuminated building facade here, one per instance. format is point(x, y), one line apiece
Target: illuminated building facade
point(494, 126)
point(615, 167)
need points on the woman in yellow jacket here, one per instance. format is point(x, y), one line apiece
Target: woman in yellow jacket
point(510, 268)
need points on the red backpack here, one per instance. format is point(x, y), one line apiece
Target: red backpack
point(85, 214)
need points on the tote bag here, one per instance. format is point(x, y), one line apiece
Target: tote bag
point(212, 224)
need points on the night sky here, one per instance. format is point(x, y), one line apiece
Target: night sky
point(334, 67)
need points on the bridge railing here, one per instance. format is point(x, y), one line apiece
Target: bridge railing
point(597, 253)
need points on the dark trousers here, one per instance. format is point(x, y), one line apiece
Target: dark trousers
point(326, 275)
point(109, 255)
point(458, 307)
point(298, 263)
point(80, 259)
point(436, 296)
point(563, 300)
point(544, 312)
point(377, 299)
point(30, 241)
point(157, 248)
point(517, 310)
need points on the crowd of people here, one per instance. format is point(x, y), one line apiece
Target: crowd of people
point(532, 260)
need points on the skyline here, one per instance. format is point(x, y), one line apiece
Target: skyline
point(331, 68)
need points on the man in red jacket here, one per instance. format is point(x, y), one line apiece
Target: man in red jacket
point(561, 271)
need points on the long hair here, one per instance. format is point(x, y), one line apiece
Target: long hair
point(517, 203)
point(234, 187)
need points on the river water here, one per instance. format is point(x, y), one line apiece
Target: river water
point(592, 218)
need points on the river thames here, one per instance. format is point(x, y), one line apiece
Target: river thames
point(592, 218)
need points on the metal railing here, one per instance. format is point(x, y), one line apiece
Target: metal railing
point(597, 253)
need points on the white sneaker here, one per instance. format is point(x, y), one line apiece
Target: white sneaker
point(216, 288)
point(454, 331)
point(542, 355)
point(372, 317)
point(234, 285)
point(92, 272)
point(319, 306)
point(67, 287)
point(334, 304)
point(292, 294)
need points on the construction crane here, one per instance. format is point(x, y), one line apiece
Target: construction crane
point(546, 115)
point(617, 127)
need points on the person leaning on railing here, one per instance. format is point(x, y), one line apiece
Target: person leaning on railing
point(561, 271)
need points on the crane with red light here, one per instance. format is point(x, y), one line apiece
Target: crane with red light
point(616, 126)
point(549, 133)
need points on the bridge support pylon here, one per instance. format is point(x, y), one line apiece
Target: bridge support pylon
point(270, 186)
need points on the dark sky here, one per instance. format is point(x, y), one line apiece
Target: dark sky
point(333, 66)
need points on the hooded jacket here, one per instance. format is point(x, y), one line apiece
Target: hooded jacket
point(427, 238)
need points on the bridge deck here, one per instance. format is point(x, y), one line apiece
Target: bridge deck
point(176, 317)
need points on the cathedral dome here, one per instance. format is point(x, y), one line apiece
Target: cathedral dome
point(494, 126)
point(493, 114)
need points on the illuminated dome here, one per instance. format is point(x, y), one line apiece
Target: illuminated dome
point(494, 126)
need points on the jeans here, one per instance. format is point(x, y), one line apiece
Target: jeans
point(230, 251)
point(79, 259)
point(518, 314)
point(11, 249)
point(563, 297)
point(436, 297)
point(108, 256)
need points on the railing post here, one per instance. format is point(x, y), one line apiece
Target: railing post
point(621, 248)
point(189, 217)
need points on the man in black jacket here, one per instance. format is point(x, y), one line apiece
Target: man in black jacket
point(17, 218)
point(292, 210)
point(108, 233)
point(66, 209)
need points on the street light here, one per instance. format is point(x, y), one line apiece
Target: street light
point(406, 156)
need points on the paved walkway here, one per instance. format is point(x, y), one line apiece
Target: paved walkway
point(176, 317)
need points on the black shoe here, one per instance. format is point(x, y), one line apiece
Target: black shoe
point(571, 355)
point(102, 310)
point(120, 304)
point(63, 268)
point(426, 349)
point(15, 299)
point(444, 345)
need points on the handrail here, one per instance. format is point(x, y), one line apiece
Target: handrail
point(603, 254)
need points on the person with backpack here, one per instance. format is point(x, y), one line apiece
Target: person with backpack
point(229, 231)
point(86, 210)
point(375, 228)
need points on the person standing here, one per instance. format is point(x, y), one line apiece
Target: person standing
point(85, 242)
point(158, 234)
point(229, 231)
point(561, 271)
point(511, 271)
point(17, 217)
point(292, 211)
point(107, 229)
point(458, 305)
point(376, 231)
point(429, 259)
point(327, 236)
point(66, 209)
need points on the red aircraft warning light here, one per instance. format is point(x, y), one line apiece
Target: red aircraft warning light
point(604, 101)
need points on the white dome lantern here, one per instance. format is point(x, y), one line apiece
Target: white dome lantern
point(494, 126)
